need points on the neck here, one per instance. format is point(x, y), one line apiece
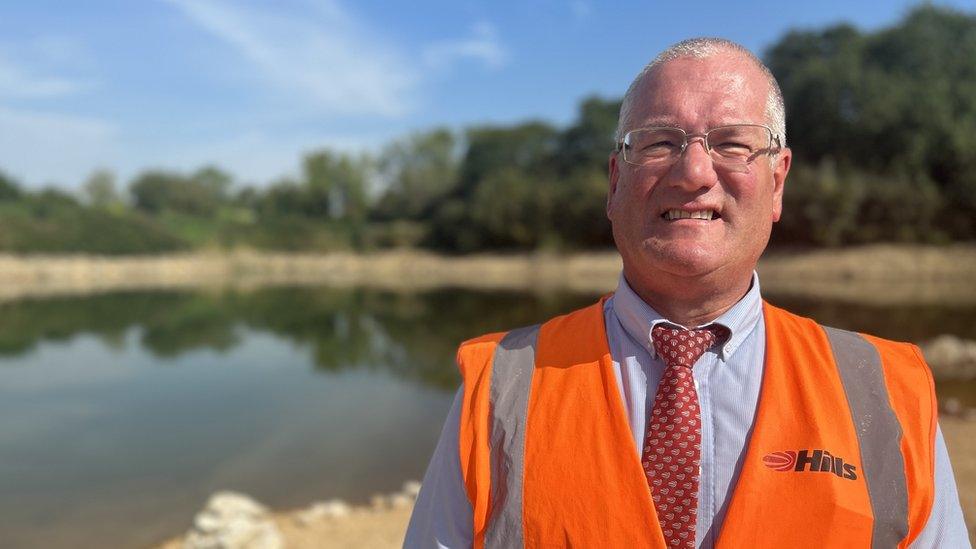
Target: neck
point(690, 301)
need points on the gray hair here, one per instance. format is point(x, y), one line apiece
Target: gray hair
point(701, 48)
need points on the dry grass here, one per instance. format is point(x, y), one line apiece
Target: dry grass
point(883, 274)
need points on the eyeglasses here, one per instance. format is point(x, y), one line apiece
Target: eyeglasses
point(732, 146)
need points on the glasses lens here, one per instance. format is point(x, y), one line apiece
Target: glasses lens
point(653, 145)
point(738, 143)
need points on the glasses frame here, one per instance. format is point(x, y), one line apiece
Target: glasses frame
point(775, 143)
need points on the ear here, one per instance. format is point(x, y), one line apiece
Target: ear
point(613, 176)
point(780, 170)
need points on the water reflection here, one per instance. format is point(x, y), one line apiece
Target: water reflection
point(412, 335)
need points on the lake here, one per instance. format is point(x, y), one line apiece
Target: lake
point(121, 413)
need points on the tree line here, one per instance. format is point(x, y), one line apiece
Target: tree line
point(882, 125)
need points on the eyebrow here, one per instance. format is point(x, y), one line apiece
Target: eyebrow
point(660, 121)
point(672, 122)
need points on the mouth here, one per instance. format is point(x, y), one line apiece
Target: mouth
point(676, 214)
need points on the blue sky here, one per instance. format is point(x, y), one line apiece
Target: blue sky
point(250, 86)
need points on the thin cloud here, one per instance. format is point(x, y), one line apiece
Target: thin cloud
point(325, 55)
point(63, 52)
point(253, 157)
point(16, 82)
point(42, 147)
point(482, 46)
point(581, 10)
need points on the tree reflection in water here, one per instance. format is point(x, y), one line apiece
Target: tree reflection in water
point(414, 335)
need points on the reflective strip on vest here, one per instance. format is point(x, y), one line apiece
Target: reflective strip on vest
point(878, 434)
point(859, 366)
point(511, 379)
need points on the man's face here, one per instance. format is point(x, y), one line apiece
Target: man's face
point(696, 95)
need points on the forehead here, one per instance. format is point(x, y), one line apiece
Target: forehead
point(697, 94)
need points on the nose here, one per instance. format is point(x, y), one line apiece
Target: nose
point(694, 169)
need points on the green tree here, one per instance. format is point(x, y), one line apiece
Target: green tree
point(284, 197)
point(154, 191)
point(420, 170)
point(200, 194)
point(820, 206)
point(507, 211)
point(527, 147)
point(580, 215)
point(831, 206)
point(9, 189)
point(213, 183)
point(899, 102)
point(586, 145)
point(99, 189)
point(336, 184)
point(502, 180)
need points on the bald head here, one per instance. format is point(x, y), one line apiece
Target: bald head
point(703, 48)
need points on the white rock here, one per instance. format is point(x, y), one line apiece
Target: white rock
point(951, 357)
point(379, 502)
point(334, 508)
point(400, 501)
point(952, 407)
point(233, 521)
point(411, 488)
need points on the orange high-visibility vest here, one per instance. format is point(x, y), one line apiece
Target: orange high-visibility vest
point(841, 453)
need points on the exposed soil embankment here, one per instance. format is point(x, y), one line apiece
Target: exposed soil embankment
point(876, 274)
point(882, 274)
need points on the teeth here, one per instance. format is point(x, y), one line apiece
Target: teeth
point(681, 214)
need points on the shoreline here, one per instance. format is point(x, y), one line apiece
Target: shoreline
point(877, 274)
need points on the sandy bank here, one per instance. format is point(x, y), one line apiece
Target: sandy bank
point(877, 274)
point(960, 438)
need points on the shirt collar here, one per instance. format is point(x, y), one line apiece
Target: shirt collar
point(638, 318)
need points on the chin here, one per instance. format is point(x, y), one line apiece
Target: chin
point(680, 259)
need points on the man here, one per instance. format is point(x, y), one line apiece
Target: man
point(616, 426)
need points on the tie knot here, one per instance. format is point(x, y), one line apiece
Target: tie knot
point(682, 347)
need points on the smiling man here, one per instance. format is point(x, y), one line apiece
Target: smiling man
point(682, 410)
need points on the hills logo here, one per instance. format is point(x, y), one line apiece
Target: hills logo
point(817, 461)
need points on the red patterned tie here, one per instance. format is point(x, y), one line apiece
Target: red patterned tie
point(672, 447)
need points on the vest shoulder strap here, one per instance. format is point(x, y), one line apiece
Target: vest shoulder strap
point(879, 434)
point(498, 370)
point(890, 396)
point(511, 380)
point(474, 360)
